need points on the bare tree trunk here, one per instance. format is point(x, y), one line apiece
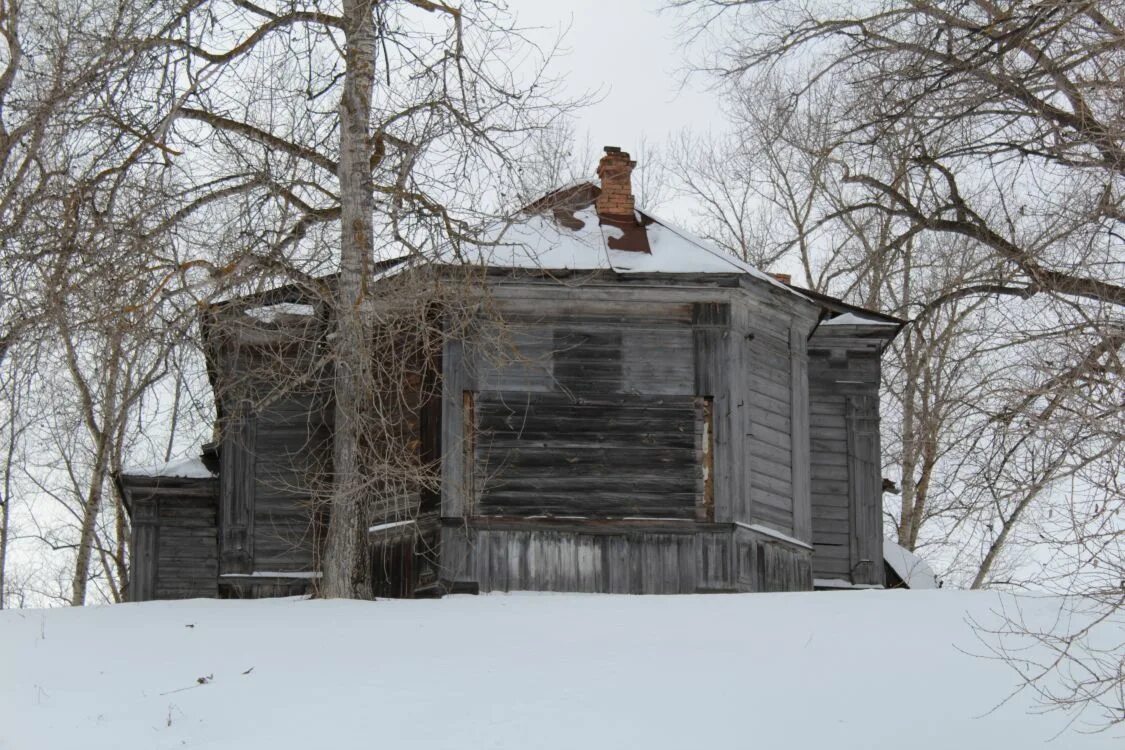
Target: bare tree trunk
point(99, 471)
point(344, 567)
point(90, 510)
point(6, 511)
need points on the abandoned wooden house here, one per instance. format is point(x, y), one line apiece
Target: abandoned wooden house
point(671, 420)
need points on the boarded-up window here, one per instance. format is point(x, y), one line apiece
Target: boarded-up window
point(610, 456)
point(609, 424)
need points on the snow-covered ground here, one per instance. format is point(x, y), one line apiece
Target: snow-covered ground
point(866, 669)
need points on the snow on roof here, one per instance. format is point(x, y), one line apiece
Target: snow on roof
point(270, 313)
point(855, 319)
point(309, 574)
point(913, 570)
point(581, 243)
point(184, 468)
point(811, 670)
point(571, 237)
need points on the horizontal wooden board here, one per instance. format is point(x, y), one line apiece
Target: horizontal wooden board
point(606, 455)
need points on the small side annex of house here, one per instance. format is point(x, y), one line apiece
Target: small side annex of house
point(666, 419)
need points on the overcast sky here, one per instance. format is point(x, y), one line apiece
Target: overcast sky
point(629, 52)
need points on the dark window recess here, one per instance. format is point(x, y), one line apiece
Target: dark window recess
point(588, 362)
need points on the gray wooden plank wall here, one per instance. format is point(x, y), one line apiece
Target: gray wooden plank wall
point(174, 545)
point(845, 479)
point(604, 455)
point(290, 450)
point(799, 434)
point(236, 494)
point(767, 564)
point(639, 561)
point(770, 441)
point(592, 414)
point(555, 394)
point(270, 456)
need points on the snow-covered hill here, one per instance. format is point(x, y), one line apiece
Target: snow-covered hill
point(825, 670)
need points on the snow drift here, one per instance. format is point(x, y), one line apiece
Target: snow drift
point(874, 669)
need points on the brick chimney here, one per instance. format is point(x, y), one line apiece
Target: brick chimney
point(615, 170)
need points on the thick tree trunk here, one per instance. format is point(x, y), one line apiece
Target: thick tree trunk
point(345, 562)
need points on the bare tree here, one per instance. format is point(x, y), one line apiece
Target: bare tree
point(79, 200)
point(954, 130)
point(333, 136)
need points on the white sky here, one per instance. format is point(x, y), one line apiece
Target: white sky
point(630, 53)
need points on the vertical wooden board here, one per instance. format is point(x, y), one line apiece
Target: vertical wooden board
point(715, 360)
point(678, 564)
point(567, 571)
point(799, 426)
point(456, 547)
point(714, 561)
point(706, 449)
point(453, 476)
point(742, 428)
point(478, 558)
point(617, 565)
point(686, 556)
point(236, 496)
point(864, 490)
point(546, 561)
point(589, 560)
point(498, 560)
point(564, 573)
point(516, 556)
point(144, 563)
point(744, 556)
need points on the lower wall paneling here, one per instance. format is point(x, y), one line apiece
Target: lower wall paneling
point(614, 558)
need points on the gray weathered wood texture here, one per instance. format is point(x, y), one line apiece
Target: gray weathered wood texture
point(623, 557)
point(174, 541)
point(290, 449)
point(601, 454)
point(603, 434)
point(270, 455)
point(845, 465)
point(236, 495)
point(611, 437)
point(865, 489)
point(799, 436)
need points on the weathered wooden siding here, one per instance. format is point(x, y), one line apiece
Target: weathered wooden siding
point(831, 524)
point(601, 455)
point(770, 440)
point(236, 492)
point(271, 453)
point(846, 478)
point(588, 412)
point(290, 451)
point(799, 436)
point(174, 543)
point(646, 558)
point(270, 388)
point(865, 488)
point(765, 563)
point(768, 399)
point(613, 439)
